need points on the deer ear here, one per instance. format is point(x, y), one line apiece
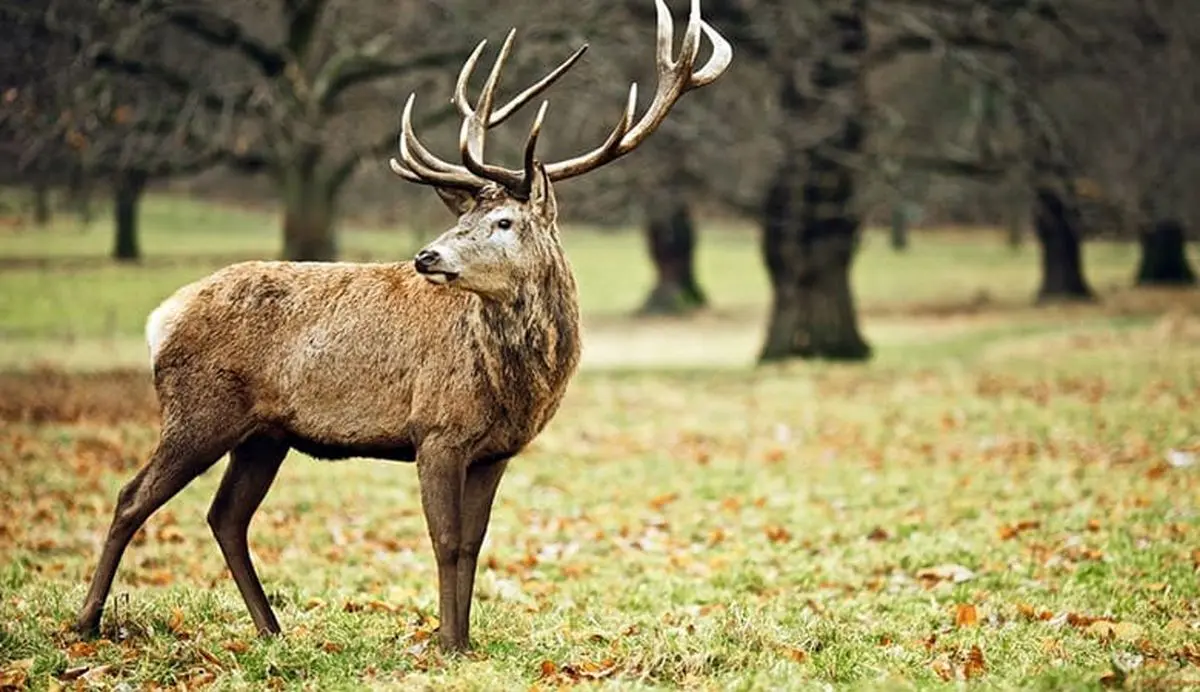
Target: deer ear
point(459, 201)
point(541, 194)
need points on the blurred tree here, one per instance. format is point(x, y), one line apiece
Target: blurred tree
point(671, 237)
point(273, 84)
point(77, 124)
point(817, 52)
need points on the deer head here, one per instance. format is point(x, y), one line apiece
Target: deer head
point(506, 217)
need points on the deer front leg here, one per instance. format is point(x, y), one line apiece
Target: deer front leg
point(441, 474)
point(479, 491)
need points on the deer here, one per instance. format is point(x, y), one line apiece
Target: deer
point(455, 360)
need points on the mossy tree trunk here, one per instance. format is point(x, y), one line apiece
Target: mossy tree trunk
point(1164, 260)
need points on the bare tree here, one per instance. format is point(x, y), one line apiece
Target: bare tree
point(292, 79)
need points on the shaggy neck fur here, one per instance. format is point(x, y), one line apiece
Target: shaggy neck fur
point(529, 342)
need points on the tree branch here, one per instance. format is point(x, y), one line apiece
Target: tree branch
point(219, 31)
point(303, 18)
point(345, 168)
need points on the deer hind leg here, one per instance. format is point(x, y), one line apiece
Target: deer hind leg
point(479, 491)
point(181, 455)
point(252, 468)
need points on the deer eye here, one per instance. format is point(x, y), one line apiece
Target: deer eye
point(504, 224)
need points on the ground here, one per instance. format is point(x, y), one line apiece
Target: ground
point(1005, 496)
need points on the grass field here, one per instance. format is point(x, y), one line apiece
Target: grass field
point(1006, 497)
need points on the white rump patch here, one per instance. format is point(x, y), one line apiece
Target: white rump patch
point(162, 320)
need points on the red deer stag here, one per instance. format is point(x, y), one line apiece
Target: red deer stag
point(455, 360)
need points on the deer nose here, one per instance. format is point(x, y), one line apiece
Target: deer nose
point(426, 260)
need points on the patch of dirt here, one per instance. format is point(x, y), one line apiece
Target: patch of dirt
point(53, 396)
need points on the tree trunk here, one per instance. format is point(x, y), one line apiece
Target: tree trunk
point(79, 197)
point(127, 196)
point(1058, 227)
point(809, 258)
point(41, 205)
point(671, 237)
point(810, 226)
point(899, 227)
point(308, 215)
point(1164, 256)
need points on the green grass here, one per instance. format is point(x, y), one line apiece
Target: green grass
point(687, 526)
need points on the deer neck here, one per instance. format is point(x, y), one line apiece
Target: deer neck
point(529, 339)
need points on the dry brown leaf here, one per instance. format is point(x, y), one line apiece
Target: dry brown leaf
point(81, 650)
point(175, 624)
point(943, 666)
point(878, 534)
point(1104, 629)
point(658, 503)
point(331, 647)
point(548, 669)
point(1128, 631)
point(236, 646)
point(15, 675)
point(966, 615)
point(777, 534)
point(797, 655)
point(975, 666)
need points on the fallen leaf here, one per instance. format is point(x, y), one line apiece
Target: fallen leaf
point(951, 573)
point(175, 624)
point(777, 534)
point(1180, 459)
point(331, 647)
point(1128, 631)
point(878, 534)
point(974, 667)
point(548, 669)
point(1103, 629)
point(658, 503)
point(72, 673)
point(81, 650)
point(236, 646)
point(797, 655)
point(966, 615)
point(15, 675)
point(943, 667)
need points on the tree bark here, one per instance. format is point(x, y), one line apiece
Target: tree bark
point(308, 217)
point(671, 238)
point(1059, 232)
point(127, 196)
point(41, 205)
point(899, 227)
point(810, 227)
point(1164, 259)
point(79, 197)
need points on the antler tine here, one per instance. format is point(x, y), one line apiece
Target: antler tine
point(464, 76)
point(418, 165)
point(531, 151)
point(517, 102)
point(473, 134)
point(722, 55)
point(675, 78)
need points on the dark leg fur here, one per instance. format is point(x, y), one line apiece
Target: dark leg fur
point(252, 468)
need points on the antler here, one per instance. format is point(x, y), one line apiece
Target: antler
point(417, 164)
point(675, 78)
